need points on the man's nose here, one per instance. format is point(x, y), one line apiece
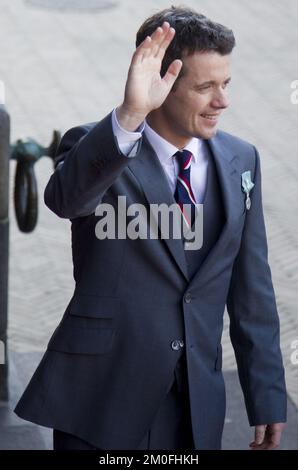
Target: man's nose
point(220, 99)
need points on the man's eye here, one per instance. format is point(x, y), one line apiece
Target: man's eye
point(205, 88)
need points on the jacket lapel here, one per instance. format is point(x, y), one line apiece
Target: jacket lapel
point(148, 170)
point(229, 180)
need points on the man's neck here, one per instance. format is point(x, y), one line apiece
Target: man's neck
point(157, 125)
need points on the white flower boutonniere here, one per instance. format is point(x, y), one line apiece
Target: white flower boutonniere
point(247, 186)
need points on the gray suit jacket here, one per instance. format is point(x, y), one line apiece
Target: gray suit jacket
point(110, 361)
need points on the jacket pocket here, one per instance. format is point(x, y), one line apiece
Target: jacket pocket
point(74, 339)
point(94, 306)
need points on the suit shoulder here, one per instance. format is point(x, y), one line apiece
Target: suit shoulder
point(246, 153)
point(76, 132)
point(235, 141)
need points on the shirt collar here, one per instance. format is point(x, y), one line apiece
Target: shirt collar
point(165, 150)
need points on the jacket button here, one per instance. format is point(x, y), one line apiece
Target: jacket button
point(177, 344)
point(187, 297)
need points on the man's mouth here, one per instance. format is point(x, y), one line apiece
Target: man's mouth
point(211, 117)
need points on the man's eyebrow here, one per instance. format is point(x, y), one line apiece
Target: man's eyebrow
point(211, 82)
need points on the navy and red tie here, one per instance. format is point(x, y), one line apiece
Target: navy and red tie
point(183, 193)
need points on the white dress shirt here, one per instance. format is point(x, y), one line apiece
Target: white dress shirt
point(165, 151)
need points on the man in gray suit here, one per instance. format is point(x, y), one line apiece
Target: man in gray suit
point(135, 362)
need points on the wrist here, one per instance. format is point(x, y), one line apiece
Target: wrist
point(129, 119)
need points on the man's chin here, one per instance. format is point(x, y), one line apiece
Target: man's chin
point(208, 133)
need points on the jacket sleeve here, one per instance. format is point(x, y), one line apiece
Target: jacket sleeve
point(88, 161)
point(254, 322)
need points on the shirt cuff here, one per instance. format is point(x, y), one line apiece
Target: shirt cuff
point(126, 140)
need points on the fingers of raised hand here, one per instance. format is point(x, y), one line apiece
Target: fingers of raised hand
point(154, 45)
point(173, 72)
point(162, 47)
point(161, 39)
point(158, 37)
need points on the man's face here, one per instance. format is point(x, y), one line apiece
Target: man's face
point(193, 109)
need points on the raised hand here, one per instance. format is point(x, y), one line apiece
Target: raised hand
point(145, 90)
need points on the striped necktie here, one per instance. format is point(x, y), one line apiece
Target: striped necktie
point(183, 193)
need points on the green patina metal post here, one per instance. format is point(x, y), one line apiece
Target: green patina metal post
point(26, 204)
point(27, 153)
point(4, 248)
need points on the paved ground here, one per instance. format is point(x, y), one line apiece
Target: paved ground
point(62, 68)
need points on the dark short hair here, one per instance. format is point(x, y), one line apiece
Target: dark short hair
point(194, 33)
